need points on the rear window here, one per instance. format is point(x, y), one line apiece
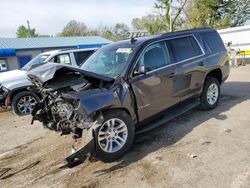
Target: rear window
point(213, 40)
point(183, 48)
point(80, 57)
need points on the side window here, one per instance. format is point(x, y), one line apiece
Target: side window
point(183, 48)
point(213, 41)
point(155, 56)
point(80, 57)
point(62, 58)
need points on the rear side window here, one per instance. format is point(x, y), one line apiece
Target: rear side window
point(80, 57)
point(62, 58)
point(213, 40)
point(183, 48)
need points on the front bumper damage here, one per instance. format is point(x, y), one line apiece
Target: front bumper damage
point(72, 103)
point(87, 150)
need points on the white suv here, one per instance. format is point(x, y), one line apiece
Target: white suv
point(14, 85)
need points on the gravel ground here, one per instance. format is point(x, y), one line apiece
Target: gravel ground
point(199, 149)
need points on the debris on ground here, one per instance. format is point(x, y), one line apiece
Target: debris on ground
point(192, 155)
point(227, 130)
point(206, 143)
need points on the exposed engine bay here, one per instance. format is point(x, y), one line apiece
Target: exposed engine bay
point(61, 88)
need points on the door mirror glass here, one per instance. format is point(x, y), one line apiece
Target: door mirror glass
point(140, 70)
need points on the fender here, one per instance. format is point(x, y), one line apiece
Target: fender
point(94, 100)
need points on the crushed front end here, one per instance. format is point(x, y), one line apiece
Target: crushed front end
point(65, 105)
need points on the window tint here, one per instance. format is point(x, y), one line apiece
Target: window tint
point(183, 48)
point(109, 60)
point(154, 57)
point(80, 57)
point(214, 41)
point(63, 59)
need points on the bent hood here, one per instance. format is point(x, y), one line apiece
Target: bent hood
point(12, 75)
point(47, 72)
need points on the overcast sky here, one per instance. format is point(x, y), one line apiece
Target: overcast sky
point(50, 16)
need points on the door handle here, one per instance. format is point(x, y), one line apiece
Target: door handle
point(171, 75)
point(201, 64)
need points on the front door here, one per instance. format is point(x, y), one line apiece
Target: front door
point(153, 90)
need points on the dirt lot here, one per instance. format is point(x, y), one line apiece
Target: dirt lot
point(200, 149)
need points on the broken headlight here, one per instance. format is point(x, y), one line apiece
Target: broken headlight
point(3, 92)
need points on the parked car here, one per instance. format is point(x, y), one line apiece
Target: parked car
point(14, 85)
point(131, 87)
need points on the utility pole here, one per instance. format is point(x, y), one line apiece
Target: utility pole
point(28, 23)
point(170, 17)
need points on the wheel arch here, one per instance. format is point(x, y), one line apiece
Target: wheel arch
point(215, 73)
point(14, 92)
point(103, 111)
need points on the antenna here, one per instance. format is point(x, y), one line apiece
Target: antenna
point(132, 40)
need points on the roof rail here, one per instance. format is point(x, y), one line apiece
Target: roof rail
point(186, 30)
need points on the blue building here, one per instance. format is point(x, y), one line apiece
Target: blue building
point(16, 52)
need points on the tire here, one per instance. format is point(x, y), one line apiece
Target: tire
point(211, 94)
point(24, 100)
point(118, 120)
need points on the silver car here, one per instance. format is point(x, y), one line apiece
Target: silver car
point(14, 85)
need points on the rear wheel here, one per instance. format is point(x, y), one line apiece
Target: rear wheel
point(115, 136)
point(24, 102)
point(211, 94)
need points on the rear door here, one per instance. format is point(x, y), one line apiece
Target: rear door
point(187, 56)
point(153, 90)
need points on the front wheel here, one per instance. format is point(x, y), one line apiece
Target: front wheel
point(211, 94)
point(24, 102)
point(115, 136)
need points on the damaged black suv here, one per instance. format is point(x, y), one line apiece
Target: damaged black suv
point(131, 86)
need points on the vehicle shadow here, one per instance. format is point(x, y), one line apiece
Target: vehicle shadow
point(166, 135)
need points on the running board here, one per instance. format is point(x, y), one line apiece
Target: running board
point(171, 114)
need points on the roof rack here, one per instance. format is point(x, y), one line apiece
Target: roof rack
point(137, 34)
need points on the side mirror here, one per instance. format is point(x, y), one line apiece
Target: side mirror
point(140, 70)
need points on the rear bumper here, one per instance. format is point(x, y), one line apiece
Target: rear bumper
point(225, 69)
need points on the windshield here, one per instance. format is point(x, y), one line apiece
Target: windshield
point(108, 60)
point(37, 60)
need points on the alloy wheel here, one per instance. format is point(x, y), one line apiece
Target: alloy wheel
point(212, 94)
point(26, 104)
point(112, 135)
